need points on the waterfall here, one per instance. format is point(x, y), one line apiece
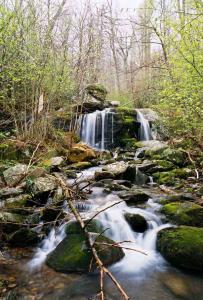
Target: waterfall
point(97, 129)
point(145, 130)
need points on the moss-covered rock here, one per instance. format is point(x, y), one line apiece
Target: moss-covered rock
point(73, 227)
point(73, 255)
point(80, 165)
point(136, 221)
point(81, 152)
point(13, 204)
point(182, 247)
point(98, 91)
point(176, 156)
point(14, 174)
point(184, 213)
point(170, 177)
point(24, 237)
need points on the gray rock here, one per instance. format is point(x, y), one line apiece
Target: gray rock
point(14, 174)
point(137, 222)
point(44, 184)
point(57, 161)
point(10, 192)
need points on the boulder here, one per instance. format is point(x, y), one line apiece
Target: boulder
point(103, 175)
point(43, 184)
point(14, 203)
point(97, 91)
point(136, 221)
point(184, 213)
point(176, 156)
point(50, 214)
point(37, 172)
point(13, 175)
point(171, 177)
point(24, 237)
point(10, 192)
point(182, 247)
point(73, 255)
point(10, 222)
point(176, 198)
point(80, 165)
point(73, 227)
point(81, 152)
point(133, 197)
point(117, 168)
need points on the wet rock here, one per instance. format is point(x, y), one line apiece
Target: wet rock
point(73, 255)
point(81, 165)
point(73, 227)
point(37, 172)
point(23, 238)
point(10, 222)
point(177, 285)
point(182, 247)
point(184, 213)
point(50, 214)
point(103, 175)
point(160, 166)
point(125, 183)
point(117, 168)
point(200, 191)
point(14, 174)
point(137, 222)
point(81, 152)
point(133, 197)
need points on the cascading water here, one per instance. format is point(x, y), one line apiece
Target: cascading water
point(97, 128)
point(145, 130)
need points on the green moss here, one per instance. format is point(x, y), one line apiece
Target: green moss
point(98, 91)
point(184, 213)
point(170, 177)
point(73, 255)
point(74, 227)
point(182, 246)
point(167, 165)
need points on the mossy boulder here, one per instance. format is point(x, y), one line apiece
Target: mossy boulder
point(136, 221)
point(176, 156)
point(14, 174)
point(182, 247)
point(81, 152)
point(14, 204)
point(81, 165)
point(170, 177)
point(73, 254)
point(24, 237)
point(184, 213)
point(73, 227)
point(97, 91)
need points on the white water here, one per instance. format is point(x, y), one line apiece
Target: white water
point(94, 128)
point(145, 130)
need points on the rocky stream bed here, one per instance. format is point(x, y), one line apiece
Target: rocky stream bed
point(156, 208)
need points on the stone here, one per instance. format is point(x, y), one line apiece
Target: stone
point(184, 213)
point(117, 168)
point(73, 227)
point(13, 175)
point(171, 177)
point(10, 192)
point(97, 91)
point(57, 161)
point(37, 172)
point(103, 175)
point(81, 152)
point(81, 165)
point(176, 198)
point(73, 255)
point(13, 204)
point(24, 237)
point(133, 197)
point(43, 184)
point(176, 156)
point(200, 191)
point(136, 221)
point(50, 214)
point(10, 222)
point(182, 247)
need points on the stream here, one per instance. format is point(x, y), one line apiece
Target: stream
point(144, 276)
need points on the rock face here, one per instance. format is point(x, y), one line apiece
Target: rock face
point(137, 222)
point(81, 152)
point(182, 247)
point(184, 213)
point(14, 174)
point(72, 254)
